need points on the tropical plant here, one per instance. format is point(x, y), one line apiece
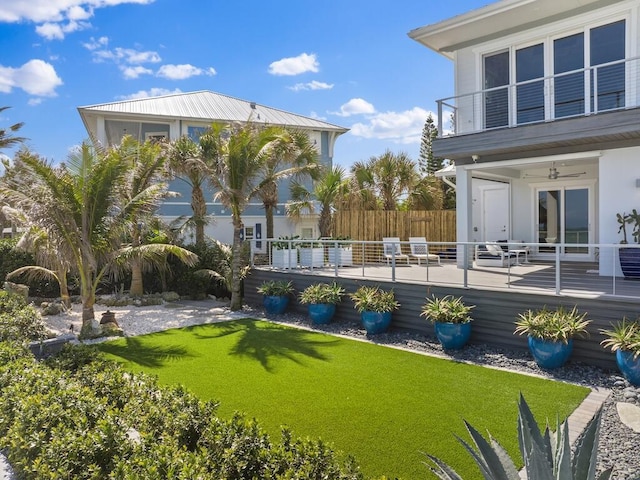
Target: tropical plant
point(293, 156)
point(234, 157)
point(374, 299)
point(625, 219)
point(286, 242)
point(559, 325)
point(7, 137)
point(391, 176)
point(322, 293)
point(79, 205)
point(19, 321)
point(276, 288)
point(447, 309)
point(187, 164)
point(328, 191)
point(546, 456)
point(625, 335)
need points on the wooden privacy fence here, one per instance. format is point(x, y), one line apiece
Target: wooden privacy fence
point(372, 225)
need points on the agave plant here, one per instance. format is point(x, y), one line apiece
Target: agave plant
point(559, 325)
point(546, 456)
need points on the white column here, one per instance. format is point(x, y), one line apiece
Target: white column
point(464, 220)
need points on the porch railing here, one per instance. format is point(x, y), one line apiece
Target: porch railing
point(602, 88)
point(567, 269)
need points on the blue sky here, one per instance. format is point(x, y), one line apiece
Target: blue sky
point(348, 62)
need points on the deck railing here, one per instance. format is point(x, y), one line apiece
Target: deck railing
point(569, 269)
point(603, 88)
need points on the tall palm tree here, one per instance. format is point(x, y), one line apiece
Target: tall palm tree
point(235, 156)
point(187, 164)
point(145, 181)
point(7, 137)
point(361, 194)
point(294, 157)
point(81, 206)
point(329, 190)
point(394, 176)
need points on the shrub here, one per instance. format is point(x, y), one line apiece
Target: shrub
point(96, 421)
point(12, 258)
point(19, 321)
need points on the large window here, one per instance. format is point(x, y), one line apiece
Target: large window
point(587, 76)
point(496, 101)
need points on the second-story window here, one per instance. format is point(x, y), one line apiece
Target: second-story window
point(496, 84)
point(568, 64)
point(607, 54)
point(530, 79)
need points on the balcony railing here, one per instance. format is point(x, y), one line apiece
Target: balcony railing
point(537, 268)
point(602, 88)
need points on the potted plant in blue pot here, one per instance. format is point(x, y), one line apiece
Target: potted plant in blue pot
point(451, 320)
point(629, 256)
point(321, 299)
point(276, 294)
point(551, 333)
point(375, 306)
point(624, 340)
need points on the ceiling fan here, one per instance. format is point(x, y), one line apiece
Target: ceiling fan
point(554, 174)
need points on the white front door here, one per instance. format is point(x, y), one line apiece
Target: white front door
point(495, 212)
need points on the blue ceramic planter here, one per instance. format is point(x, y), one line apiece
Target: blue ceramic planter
point(321, 313)
point(375, 322)
point(629, 366)
point(452, 336)
point(275, 304)
point(550, 355)
point(630, 262)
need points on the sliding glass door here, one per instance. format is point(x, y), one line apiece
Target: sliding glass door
point(564, 217)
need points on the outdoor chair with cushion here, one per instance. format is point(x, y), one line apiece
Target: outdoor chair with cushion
point(392, 248)
point(420, 250)
point(491, 255)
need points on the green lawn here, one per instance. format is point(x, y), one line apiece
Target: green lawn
point(382, 405)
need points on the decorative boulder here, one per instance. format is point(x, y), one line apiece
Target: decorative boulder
point(17, 288)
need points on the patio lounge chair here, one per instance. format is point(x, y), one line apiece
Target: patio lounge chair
point(491, 255)
point(392, 248)
point(420, 250)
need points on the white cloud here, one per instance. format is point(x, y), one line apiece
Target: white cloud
point(355, 106)
point(34, 101)
point(181, 72)
point(316, 116)
point(126, 55)
point(313, 85)
point(55, 18)
point(96, 43)
point(135, 72)
point(399, 127)
point(57, 31)
point(36, 77)
point(295, 65)
point(152, 92)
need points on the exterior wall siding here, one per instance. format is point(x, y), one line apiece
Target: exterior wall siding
point(494, 314)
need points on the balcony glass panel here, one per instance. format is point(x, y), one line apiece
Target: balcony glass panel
point(568, 55)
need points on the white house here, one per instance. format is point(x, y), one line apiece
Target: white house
point(173, 116)
point(544, 124)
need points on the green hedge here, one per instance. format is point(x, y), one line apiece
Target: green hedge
point(18, 320)
point(12, 258)
point(78, 416)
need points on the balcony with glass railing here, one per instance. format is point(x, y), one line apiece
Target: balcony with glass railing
point(607, 87)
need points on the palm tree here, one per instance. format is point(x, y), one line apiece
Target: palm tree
point(426, 194)
point(327, 191)
point(235, 157)
point(294, 157)
point(394, 176)
point(361, 194)
point(7, 139)
point(144, 182)
point(187, 164)
point(80, 205)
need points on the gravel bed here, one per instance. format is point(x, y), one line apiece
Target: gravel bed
point(619, 445)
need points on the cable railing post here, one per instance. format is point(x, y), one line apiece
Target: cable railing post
point(557, 247)
point(393, 262)
point(465, 259)
point(335, 259)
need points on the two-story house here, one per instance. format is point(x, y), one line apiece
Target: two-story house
point(544, 124)
point(172, 116)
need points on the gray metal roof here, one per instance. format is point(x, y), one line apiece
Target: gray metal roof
point(209, 107)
